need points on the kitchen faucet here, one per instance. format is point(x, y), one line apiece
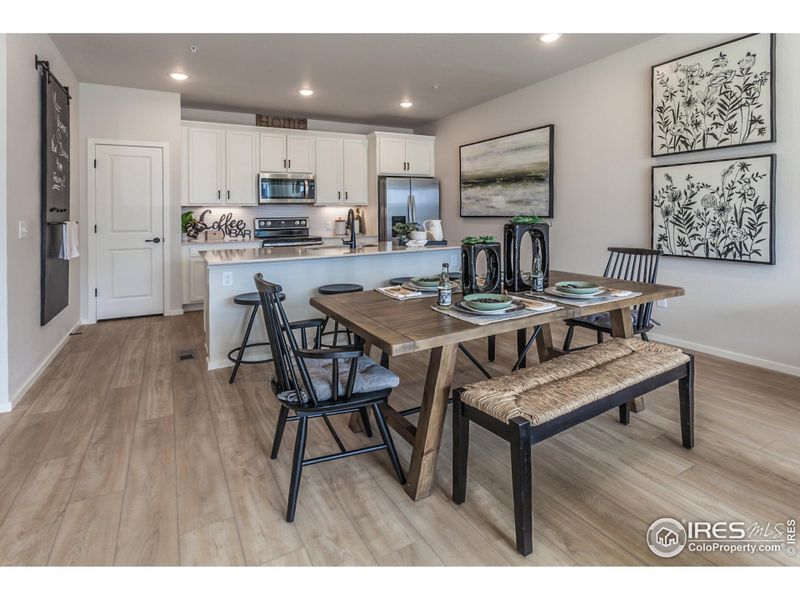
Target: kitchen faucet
point(351, 222)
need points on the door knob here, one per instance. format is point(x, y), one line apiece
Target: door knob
point(154, 240)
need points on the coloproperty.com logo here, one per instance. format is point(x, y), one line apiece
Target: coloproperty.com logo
point(668, 537)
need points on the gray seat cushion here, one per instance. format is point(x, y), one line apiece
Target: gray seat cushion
point(604, 319)
point(371, 377)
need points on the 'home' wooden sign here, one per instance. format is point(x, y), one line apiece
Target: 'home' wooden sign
point(282, 122)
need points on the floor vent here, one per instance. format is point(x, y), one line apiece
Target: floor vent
point(187, 354)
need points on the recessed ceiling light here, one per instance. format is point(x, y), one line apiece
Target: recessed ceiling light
point(549, 38)
point(306, 92)
point(406, 104)
point(179, 76)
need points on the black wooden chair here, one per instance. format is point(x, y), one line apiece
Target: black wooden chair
point(631, 264)
point(309, 383)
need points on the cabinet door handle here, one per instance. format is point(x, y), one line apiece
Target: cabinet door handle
point(219, 195)
point(229, 194)
point(284, 163)
point(345, 195)
point(339, 195)
point(290, 163)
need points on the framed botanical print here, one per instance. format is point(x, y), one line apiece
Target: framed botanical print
point(716, 209)
point(508, 175)
point(719, 97)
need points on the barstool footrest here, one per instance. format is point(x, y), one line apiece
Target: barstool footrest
point(250, 362)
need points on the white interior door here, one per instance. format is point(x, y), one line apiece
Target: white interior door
point(129, 198)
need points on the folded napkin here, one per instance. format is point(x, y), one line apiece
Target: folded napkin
point(416, 243)
point(535, 304)
point(619, 293)
point(398, 292)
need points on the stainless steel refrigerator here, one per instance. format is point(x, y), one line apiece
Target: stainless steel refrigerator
point(405, 200)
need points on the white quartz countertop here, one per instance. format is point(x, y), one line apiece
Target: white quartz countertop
point(187, 241)
point(215, 258)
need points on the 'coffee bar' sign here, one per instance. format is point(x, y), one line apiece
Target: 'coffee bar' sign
point(282, 122)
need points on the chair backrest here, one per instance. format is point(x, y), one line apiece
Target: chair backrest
point(634, 264)
point(291, 371)
point(291, 374)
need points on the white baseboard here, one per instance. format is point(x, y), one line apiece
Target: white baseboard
point(38, 372)
point(734, 356)
point(173, 312)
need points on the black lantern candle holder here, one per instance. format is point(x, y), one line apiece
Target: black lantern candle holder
point(469, 271)
point(513, 235)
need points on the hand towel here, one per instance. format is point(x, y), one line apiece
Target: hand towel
point(69, 241)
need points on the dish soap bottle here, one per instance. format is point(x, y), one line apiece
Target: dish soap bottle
point(445, 297)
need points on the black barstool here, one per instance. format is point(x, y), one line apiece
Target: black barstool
point(331, 290)
point(249, 299)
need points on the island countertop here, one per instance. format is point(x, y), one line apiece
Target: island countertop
point(216, 258)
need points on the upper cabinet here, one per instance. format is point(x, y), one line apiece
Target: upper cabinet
point(287, 153)
point(220, 166)
point(341, 170)
point(403, 154)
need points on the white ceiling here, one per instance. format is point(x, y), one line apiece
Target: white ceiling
point(356, 77)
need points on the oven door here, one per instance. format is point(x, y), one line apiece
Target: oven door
point(285, 188)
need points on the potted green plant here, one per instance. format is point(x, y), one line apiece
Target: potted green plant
point(403, 230)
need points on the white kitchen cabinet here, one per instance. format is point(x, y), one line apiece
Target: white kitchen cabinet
point(328, 180)
point(205, 173)
point(195, 270)
point(404, 154)
point(287, 153)
point(272, 153)
point(220, 166)
point(354, 171)
point(341, 170)
point(299, 153)
point(241, 173)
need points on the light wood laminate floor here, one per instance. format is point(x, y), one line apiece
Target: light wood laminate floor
point(123, 454)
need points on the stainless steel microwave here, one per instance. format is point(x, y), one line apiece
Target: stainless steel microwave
point(286, 188)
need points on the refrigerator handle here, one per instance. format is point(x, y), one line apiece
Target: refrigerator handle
point(413, 204)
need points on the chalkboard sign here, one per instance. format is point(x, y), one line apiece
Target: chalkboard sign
point(55, 158)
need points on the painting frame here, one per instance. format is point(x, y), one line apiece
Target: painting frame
point(771, 185)
point(550, 128)
point(771, 86)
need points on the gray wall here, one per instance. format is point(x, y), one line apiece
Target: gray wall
point(4, 397)
point(29, 344)
point(601, 114)
point(134, 115)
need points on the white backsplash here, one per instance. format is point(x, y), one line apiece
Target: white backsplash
point(320, 218)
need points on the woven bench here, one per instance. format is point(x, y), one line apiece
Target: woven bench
point(533, 404)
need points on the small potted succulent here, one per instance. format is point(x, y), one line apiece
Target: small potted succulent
point(403, 230)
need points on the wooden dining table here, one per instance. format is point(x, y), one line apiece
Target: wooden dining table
point(400, 327)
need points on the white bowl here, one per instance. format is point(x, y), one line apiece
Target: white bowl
point(418, 235)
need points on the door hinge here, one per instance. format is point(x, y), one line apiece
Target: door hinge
point(95, 163)
point(95, 292)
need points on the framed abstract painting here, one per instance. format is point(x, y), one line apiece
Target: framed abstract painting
point(719, 97)
point(716, 209)
point(508, 175)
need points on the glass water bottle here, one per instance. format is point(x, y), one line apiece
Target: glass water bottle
point(445, 297)
point(537, 275)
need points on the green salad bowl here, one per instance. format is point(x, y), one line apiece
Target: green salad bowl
point(577, 287)
point(429, 281)
point(488, 301)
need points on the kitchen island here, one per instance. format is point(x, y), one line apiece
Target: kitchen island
point(299, 271)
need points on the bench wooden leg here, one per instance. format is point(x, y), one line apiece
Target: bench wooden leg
point(624, 414)
point(522, 484)
point(686, 393)
point(460, 451)
point(622, 327)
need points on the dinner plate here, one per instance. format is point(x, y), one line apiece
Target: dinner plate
point(556, 292)
point(577, 287)
point(409, 285)
point(488, 302)
point(427, 281)
point(515, 307)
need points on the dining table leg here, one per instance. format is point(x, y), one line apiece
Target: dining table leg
point(430, 425)
point(544, 343)
point(622, 327)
